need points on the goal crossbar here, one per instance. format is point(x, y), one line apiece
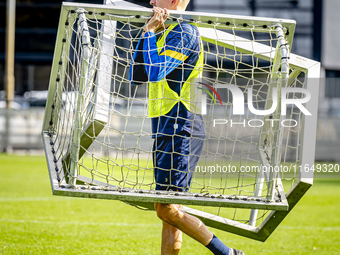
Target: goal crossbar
point(88, 189)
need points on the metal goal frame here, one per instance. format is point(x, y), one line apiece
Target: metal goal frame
point(279, 209)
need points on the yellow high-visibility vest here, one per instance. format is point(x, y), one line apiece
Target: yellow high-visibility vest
point(161, 97)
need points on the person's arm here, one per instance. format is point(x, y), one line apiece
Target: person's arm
point(137, 73)
point(178, 47)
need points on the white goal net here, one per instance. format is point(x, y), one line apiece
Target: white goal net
point(98, 136)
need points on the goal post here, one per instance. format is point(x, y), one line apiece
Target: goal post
point(97, 134)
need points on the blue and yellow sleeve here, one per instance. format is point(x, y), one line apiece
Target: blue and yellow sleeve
point(178, 46)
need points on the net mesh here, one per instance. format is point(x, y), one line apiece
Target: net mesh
point(235, 147)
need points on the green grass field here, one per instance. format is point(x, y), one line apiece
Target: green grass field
point(32, 221)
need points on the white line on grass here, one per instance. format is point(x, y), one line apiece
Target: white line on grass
point(23, 199)
point(311, 228)
point(82, 223)
point(145, 224)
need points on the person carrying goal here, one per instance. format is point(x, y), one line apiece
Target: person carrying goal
point(169, 60)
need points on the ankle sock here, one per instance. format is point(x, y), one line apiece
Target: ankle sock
point(217, 247)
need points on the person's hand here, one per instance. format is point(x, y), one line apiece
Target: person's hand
point(159, 17)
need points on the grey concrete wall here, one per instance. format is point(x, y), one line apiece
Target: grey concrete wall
point(331, 35)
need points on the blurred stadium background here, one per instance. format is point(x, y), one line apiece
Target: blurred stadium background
point(36, 24)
